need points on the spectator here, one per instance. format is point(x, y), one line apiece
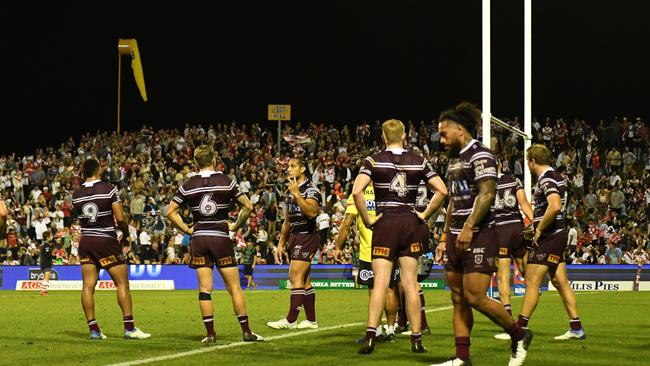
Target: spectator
point(323, 222)
point(146, 252)
point(159, 227)
point(572, 238)
point(628, 161)
point(248, 259)
point(613, 160)
point(170, 255)
point(617, 200)
point(613, 255)
point(262, 237)
point(136, 207)
point(628, 256)
point(641, 257)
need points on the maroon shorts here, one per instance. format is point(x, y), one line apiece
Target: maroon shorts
point(303, 247)
point(397, 235)
point(101, 251)
point(481, 256)
point(208, 251)
point(550, 250)
point(511, 240)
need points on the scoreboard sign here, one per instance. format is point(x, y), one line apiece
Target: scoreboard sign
point(279, 112)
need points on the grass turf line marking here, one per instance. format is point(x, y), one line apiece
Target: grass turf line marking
point(281, 336)
point(242, 343)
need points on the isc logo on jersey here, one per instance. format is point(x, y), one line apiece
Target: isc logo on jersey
point(365, 274)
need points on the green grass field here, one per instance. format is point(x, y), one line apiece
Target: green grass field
point(52, 330)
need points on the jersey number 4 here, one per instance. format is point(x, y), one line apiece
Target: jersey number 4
point(398, 185)
point(207, 207)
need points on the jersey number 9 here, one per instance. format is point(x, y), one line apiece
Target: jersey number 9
point(90, 211)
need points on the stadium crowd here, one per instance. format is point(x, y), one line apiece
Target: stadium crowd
point(607, 167)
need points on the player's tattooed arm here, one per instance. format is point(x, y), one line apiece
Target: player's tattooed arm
point(483, 202)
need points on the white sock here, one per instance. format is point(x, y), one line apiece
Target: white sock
point(390, 330)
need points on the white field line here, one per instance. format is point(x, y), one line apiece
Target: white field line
point(242, 343)
point(281, 336)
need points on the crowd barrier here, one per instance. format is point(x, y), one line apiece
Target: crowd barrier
point(268, 277)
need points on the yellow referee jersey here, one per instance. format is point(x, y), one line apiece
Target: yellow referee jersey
point(365, 234)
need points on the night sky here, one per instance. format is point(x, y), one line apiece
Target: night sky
point(334, 61)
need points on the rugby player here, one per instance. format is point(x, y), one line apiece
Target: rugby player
point(509, 232)
point(549, 241)
point(469, 237)
point(99, 208)
point(299, 235)
point(45, 261)
point(209, 195)
point(395, 174)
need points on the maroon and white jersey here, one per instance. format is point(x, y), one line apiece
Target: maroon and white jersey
point(474, 164)
point(423, 198)
point(299, 223)
point(548, 183)
point(506, 206)
point(209, 195)
point(94, 202)
point(396, 176)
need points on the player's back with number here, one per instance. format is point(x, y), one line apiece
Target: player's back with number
point(94, 201)
point(396, 178)
point(209, 196)
point(506, 206)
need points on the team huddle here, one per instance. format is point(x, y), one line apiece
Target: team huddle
point(393, 197)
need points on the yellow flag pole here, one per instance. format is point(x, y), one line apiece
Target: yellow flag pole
point(119, 89)
point(129, 47)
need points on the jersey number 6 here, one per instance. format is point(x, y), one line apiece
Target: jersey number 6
point(207, 207)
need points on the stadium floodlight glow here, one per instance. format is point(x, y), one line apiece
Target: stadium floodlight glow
point(129, 47)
